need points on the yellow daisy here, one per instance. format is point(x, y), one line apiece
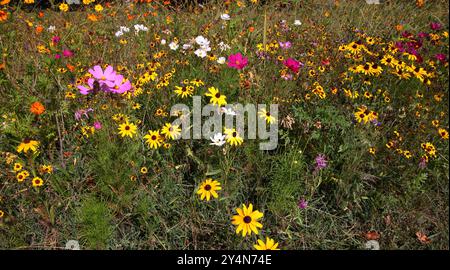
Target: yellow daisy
point(247, 220)
point(208, 188)
point(270, 244)
point(127, 129)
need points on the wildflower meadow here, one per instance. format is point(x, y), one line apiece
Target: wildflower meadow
point(224, 125)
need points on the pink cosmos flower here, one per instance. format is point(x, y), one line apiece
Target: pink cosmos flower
point(285, 45)
point(237, 61)
point(292, 64)
point(441, 57)
point(97, 125)
point(57, 56)
point(120, 86)
point(108, 75)
point(56, 39)
point(435, 26)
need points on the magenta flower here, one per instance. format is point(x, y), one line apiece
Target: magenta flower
point(435, 26)
point(67, 53)
point(97, 125)
point(302, 204)
point(56, 39)
point(441, 57)
point(57, 56)
point(237, 61)
point(321, 161)
point(292, 64)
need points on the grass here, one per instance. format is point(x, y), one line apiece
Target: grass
point(97, 193)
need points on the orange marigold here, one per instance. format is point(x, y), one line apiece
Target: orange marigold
point(37, 108)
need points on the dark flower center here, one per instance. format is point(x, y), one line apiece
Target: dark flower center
point(217, 95)
point(208, 187)
point(127, 128)
point(234, 134)
point(153, 137)
point(27, 140)
point(366, 67)
point(247, 219)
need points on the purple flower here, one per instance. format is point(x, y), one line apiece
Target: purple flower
point(237, 61)
point(67, 53)
point(435, 26)
point(292, 64)
point(57, 56)
point(97, 125)
point(107, 75)
point(302, 204)
point(423, 163)
point(321, 161)
point(82, 112)
point(285, 45)
point(423, 35)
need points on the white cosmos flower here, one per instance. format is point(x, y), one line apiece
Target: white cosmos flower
point(173, 46)
point(51, 28)
point(118, 33)
point(124, 29)
point(73, 245)
point(140, 27)
point(227, 111)
point(200, 53)
point(223, 46)
point(297, 22)
point(202, 41)
point(221, 60)
point(163, 42)
point(186, 46)
point(225, 17)
point(218, 139)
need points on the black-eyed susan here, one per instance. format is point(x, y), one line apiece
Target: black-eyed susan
point(21, 176)
point(185, 91)
point(216, 97)
point(37, 181)
point(247, 220)
point(2, 214)
point(153, 139)
point(127, 129)
point(267, 116)
point(197, 82)
point(171, 131)
point(372, 150)
point(144, 170)
point(233, 137)
point(429, 148)
point(209, 188)
point(46, 169)
point(28, 144)
point(270, 244)
point(167, 145)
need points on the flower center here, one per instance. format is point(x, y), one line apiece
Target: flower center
point(208, 187)
point(217, 95)
point(103, 78)
point(26, 140)
point(153, 137)
point(127, 128)
point(234, 134)
point(247, 219)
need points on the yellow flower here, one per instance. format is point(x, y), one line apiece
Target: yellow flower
point(233, 137)
point(171, 131)
point(127, 129)
point(216, 97)
point(443, 133)
point(22, 176)
point(208, 188)
point(372, 150)
point(153, 139)
point(29, 1)
point(2, 213)
point(46, 169)
point(265, 114)
point(98, 8)
point(144, 170)
point(27, 144)
point(270, 244)
point(247, 220)
point(64, 7)
point(37, 182)
point(17, 166)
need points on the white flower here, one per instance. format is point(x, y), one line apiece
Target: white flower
point(118, 33)
point(225, 17)
point(227, 111)
point(173, 46)
point(218, 139)
point(221, 60)
point(140, 27)
point(372, 245)
point(202, 41)
point(187, 46)
point(297, 22)
point(73, 245)
point(124, 29)
point(223, 46)
point(200, 53)
point(163, 42)
point(51, 28)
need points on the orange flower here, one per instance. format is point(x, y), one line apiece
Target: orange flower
point(37, 108)
point(92, 17)
point(2, 65)
point(4, 2)
point(41, 14)
point(70, 67)
point(251, 29)
point(39, 29)
point(3, 16)
point(399, 27)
